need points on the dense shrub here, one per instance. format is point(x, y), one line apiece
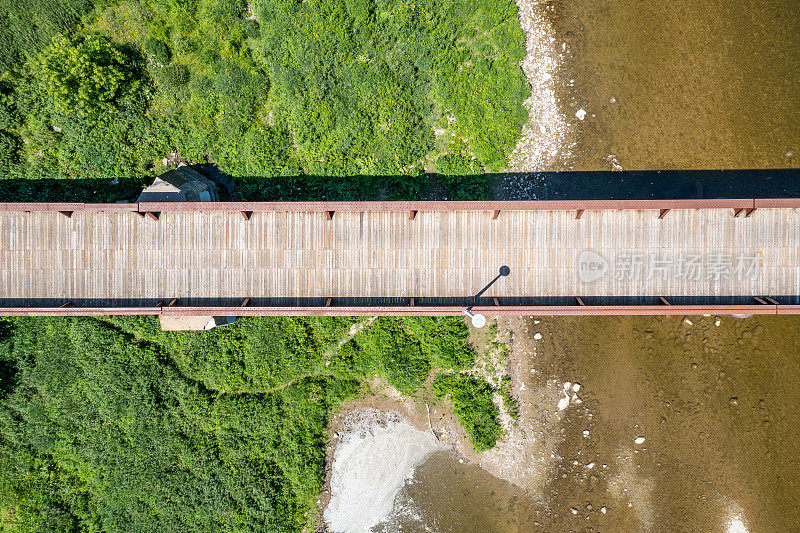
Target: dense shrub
point(113, 425)
point(157, 50)
point(87, 75)
point(473, 406)
point(9, 148)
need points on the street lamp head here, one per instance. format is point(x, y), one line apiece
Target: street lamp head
point(505, 271)
point(478, 320)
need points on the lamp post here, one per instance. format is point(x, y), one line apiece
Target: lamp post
point(478, 320)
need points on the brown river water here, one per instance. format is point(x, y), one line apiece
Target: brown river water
point(682, 84)
point(672, 85)
point(715, 399)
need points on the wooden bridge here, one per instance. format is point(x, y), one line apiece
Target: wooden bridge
point(721, 256)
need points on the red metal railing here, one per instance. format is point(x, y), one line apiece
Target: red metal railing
point(488, 205)
point(542, 310)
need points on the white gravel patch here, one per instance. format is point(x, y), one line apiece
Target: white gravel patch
point(546, 138)
point(376, 453)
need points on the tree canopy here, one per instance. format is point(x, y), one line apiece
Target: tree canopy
point(87, 74)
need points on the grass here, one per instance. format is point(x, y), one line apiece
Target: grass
point(111, 424)
point(301, 89)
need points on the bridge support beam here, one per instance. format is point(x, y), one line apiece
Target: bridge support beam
point(579, 300)
point(579, 214)
point(152, 215)
point(496, 214)
point(664, 300)
point(413, 214)
point(750, 212)
point(329, 214)
point(247, 214)
point(67, 214)
point(245, 303)
point(663, 213)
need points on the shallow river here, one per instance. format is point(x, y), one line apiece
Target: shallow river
point(681, 84)
point(715, 399)
point(684, 85)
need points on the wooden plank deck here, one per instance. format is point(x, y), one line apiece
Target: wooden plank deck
point(115, 255)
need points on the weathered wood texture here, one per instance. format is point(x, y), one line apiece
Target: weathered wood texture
point(216, 254)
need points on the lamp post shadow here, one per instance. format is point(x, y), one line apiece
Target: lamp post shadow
point(478, 320)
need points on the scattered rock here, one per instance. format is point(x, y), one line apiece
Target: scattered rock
point(580, 114)
point(613, 163)
point(576, 387)
point(563, 403)
point(603, 510)
point(639, 440)
point(537, 336)
point(586, 433)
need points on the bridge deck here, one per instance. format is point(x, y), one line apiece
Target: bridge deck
point(118, 256)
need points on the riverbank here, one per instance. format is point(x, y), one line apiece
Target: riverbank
point(624, 424)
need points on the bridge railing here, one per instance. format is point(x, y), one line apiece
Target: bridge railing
point(552, 310)
point(761, 306)
point(397, 206)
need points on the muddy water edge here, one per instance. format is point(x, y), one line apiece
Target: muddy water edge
point(713, 398)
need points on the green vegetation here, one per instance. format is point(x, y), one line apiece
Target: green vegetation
point(103, 88)
point(472, 405)
point(511, 405)
point(113, 425)
point(87, 75)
